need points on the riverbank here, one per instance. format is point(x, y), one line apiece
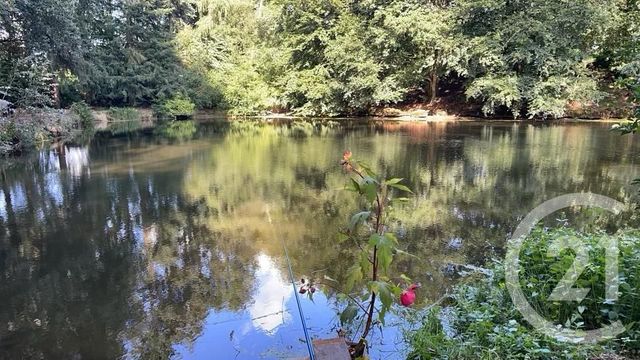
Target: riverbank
point(480, 319)
point(26, 129)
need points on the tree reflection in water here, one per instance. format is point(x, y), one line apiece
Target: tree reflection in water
point(145, 247)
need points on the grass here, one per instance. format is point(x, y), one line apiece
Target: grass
point(123, 121)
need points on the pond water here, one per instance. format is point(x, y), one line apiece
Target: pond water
point(170, 245)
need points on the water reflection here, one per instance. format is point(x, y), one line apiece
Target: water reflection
point(145, 247)
point(267, 311)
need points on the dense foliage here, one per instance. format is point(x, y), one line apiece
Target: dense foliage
point(38, 127)
point(483, 323)
point(318, 57)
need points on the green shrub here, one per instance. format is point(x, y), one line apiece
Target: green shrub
point(123, 120)
point(37, 127)
point(123, 114)
point(179, 105)
point(87, 121)
point(7, 136)
point(70, 92)
point(487, 325)
point(246, 85)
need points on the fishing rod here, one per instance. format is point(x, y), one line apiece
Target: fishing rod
point(307, 338)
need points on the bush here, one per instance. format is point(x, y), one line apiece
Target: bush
point(178, 106)
point(123, 120)
point(123, 114)
point(70, 92)
point(37, 127)
point(244, 90)
point(87, 121)
point(487, 325)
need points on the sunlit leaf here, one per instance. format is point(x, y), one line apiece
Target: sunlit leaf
point(354, 275)
point(393, 181)
point(365, 263)
point(405, 278)
point(401, 187)
point(391, 237)
point(367, 169)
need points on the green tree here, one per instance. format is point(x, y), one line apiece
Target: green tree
point(425, 45)
point(335, 67)
point(532, 57)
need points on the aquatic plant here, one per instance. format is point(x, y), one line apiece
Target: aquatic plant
point(177, 106)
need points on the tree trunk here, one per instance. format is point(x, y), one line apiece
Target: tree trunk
point(433, 86)
point(56, 93)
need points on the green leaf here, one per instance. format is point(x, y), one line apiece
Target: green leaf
point(365, 264)
point(386, 240)
point(385, 245)
point(382, 314)
point(391, 238)
point(356, 186)
point(401, 187)
point(384, 292)
point(385, 257)
point(370, 192)
point(405, 278)
point(376, 239)
point(348, 314)
point(393, 181)
point(354, 275)
point(342, 237)
point(369, 188)
point(367, 169)
point(358, 219)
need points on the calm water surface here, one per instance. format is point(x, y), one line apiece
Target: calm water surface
point(153, 247)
